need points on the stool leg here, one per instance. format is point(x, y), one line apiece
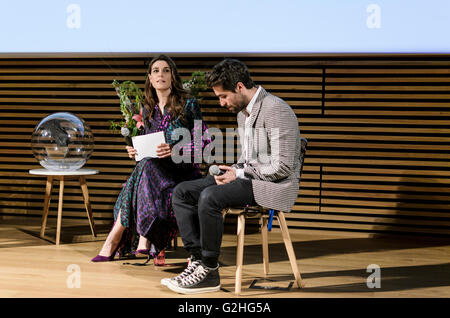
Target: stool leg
point(60, 205)
point(265, 245)
point(48, 195)
point(87, 204)
point(224, 213)
point(239, 253)
point(289, 249)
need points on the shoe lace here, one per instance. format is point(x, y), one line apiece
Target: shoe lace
point(192, 266)
point(198, 275)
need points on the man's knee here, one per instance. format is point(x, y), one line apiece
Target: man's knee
point(186, 192)
point(179, 192)
point(208, 198)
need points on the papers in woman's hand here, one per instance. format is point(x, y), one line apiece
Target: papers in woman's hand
point(145, 145)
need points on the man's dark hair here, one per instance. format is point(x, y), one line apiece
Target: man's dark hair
point(228, 73)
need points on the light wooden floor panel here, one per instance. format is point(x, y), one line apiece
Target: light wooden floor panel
point(332, 264)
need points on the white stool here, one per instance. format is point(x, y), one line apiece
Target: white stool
point(62, 176)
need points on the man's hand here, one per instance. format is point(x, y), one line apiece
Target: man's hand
point(227, 177)
point(163, 151)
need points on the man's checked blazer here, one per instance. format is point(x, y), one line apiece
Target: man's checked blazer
point(273, 160)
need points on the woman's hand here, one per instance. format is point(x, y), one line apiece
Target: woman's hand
point(131, 152)
point(163, 151)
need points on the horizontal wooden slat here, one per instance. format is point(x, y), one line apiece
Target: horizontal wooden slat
point(415, 88)
point(393, 196)
point(366, 219)
point(384, 187)
point(384, 130)
point(376, 121)
point(385, 171)
point(394, 71)
point(393, 179)
point(396, 228)
point(388, 96)
point(385, 79)
point(379, 145)
point(379, 137)
point(391, 104)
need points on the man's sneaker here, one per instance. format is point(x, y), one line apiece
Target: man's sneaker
point(192, 265)
point(202, 280)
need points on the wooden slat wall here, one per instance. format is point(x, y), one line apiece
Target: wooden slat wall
point(378, 128)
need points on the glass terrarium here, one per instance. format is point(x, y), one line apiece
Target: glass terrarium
point(62, 142)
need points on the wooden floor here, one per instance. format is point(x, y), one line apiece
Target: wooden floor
point(332, 264)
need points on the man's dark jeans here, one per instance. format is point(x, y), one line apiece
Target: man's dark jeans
point(198, 206)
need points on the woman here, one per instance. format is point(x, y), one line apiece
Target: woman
point(147, 223)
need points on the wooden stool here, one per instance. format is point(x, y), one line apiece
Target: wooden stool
point(258, 212)
point(62, 176)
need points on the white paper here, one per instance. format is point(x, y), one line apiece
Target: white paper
point(145, 145)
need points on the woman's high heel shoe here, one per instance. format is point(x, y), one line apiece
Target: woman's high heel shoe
point(100, 258)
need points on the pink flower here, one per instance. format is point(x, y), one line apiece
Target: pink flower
point(139, 120)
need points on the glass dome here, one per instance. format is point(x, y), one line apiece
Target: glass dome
point(62, 141)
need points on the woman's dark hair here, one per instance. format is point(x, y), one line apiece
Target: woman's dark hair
point(228, 73)
point(178, 96)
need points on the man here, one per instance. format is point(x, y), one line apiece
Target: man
point(267, 174)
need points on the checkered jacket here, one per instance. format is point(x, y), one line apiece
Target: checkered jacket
point(273, 160)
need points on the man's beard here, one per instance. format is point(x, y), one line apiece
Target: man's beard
point(239, 107)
